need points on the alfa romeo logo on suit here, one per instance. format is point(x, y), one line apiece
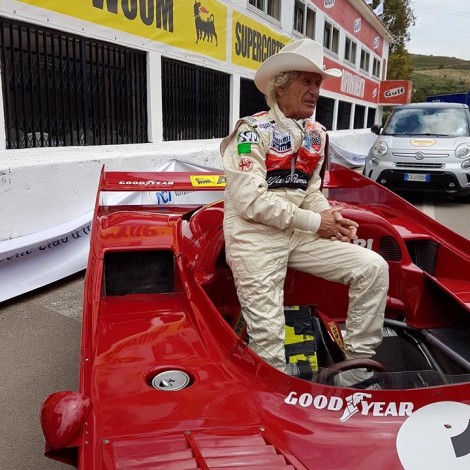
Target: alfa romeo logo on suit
point(246, 164)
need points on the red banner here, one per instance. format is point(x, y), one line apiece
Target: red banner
point(395, 92)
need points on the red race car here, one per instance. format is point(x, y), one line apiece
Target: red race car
point(167, 379)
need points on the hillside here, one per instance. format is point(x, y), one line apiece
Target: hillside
point(434, 75)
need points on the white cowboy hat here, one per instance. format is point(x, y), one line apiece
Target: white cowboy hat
point(304, 55)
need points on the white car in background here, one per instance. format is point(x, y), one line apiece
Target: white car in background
point(423, 147)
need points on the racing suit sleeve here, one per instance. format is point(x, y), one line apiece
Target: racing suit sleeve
point(248, 189)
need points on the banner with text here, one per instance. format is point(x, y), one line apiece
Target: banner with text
point(395, 92)
point(252, 42)
point(195, 26)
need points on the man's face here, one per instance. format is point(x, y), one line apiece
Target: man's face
point(298, 100)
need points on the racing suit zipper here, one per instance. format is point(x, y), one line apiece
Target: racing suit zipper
point(293, 161)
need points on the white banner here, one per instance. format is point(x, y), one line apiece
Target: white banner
point(338, 154)
point(33, 261)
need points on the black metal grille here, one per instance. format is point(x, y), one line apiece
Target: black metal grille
point(359, 117)
point(390, 249)
point(195, 101)
point(423, 253)
point(60, 89)
point(252, 101)
point(370, 117)
point(138, 272)
point(344, 115)
point(325, 111)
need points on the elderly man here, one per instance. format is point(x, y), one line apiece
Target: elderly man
point(277, 217)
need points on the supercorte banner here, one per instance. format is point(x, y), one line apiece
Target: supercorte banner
point(252, 42)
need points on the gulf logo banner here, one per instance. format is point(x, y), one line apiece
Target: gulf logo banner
point(395, 92)
point(197, 26)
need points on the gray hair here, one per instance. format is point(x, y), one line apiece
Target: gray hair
point(281, 80)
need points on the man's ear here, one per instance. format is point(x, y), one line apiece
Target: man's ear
point(281, 90)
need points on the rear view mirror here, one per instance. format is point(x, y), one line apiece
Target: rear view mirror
point(376, 129)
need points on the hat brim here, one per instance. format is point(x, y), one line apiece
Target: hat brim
point(286, 62)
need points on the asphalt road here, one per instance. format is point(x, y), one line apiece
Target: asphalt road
point(39, 351)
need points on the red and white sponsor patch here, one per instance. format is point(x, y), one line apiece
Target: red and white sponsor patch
point(246, 164)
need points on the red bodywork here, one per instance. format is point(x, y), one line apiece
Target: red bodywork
point(238, 412)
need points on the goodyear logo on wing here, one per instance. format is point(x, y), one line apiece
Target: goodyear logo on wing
point(208, 180)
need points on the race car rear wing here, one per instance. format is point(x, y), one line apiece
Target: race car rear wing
point(161, 181)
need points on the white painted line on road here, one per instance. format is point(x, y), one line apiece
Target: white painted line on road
point(428, 208)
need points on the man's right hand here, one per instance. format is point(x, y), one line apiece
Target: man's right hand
point(333, 225)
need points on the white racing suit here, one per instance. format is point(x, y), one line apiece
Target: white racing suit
point(272, 165)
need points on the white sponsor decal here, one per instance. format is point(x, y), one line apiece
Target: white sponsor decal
point(281, 142)
point(329, 3)
point(351, 405)
point(376, 42)
point(374, 93)
point(357, 25)
point(364, 243)
point(436, 437)
point(248, 136)
point(394, 92)
point(352, 84)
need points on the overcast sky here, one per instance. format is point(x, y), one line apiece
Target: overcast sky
point(442, 28)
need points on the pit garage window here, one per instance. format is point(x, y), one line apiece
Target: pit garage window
point(195, 101)
point(365, 60)
point(304, 19)
point(376, 67)
point(269, 7)
point(65, 90)
point(331, 38)
point(350, 50)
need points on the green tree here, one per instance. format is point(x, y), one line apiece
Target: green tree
point(399, 65)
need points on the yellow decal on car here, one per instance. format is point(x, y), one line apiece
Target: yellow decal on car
point(422, 142)
point(208, 180)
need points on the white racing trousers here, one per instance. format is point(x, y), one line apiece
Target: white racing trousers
point(259, 256)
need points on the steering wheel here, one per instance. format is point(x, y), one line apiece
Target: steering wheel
point(325, 376)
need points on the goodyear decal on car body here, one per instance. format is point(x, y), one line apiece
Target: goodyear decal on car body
point(352, 404)
point(147, 183)
point(208, 180)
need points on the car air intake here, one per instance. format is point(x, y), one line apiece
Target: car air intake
point(390, 249)
point(423, 253)
point(138, 272)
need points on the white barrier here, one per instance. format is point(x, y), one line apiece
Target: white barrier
point(47, 205)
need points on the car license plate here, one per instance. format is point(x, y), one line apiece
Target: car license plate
point(424, 178)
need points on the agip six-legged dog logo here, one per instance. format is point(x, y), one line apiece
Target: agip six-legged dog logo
point(205, 28)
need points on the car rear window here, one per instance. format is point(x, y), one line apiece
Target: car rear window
point(445, 122)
